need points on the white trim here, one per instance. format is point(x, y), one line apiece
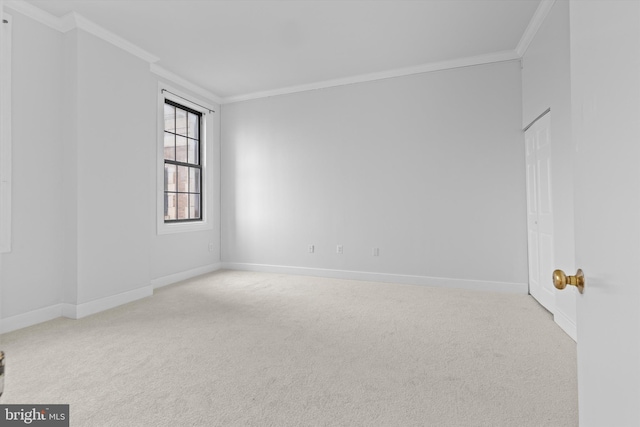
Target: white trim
point(68, 311)
point(92, 307)
point(534, 25)
point(5, 135)
point(442, 282)
point(30, 318)
point(174, 78)
point(490, 58)
point(73, 311)
point(207, 149)
point(185, 97)
point(68, 22)
point(184, 275)
point(98, 31)
point(566, 324)
point(35, 13)
point(74, 20)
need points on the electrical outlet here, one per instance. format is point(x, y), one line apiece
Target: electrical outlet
point(211, 247)
point(311, 249)
point(339, 249)
point(376, 251)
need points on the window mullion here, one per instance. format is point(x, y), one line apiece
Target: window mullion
point(190, 165)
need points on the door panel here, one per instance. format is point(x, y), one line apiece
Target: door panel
point(534, 267)
point(547, 295)
point(540, 211)
point(532, 202)
point(544, 168)
point(605, 86)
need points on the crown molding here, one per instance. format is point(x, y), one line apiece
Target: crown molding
point(534, 25)
point(68, 22)
point(74, 20)
point(508, 55)
point(35, 13)
point(98, 31)
point(168, 75)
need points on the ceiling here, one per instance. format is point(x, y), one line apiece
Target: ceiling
point(238, 48)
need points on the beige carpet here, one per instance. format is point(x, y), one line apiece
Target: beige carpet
point(254, 349)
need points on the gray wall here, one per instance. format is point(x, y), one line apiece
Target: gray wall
point(84, 177)
point(32, 272)
point(429, 168)
point(546, 84)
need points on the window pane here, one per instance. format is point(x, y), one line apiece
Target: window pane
point(193, 126)
point(169, 177)
point(170, 206)
point(194, 206)
point(183, 206)
point(193, 152)
point(181, 149)
point(194, 180)
point(169, 118)
point(169, 146)
point(181, 122)
point(183, 179)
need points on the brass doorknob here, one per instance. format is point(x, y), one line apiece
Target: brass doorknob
point(561, 280)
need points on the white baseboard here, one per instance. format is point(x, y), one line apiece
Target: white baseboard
point(184, 275)
point(30, 318)
point(72, 311)
point(566, 324)
point(79, 311)
point(478, 285)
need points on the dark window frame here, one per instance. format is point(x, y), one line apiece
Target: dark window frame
point(186, 164)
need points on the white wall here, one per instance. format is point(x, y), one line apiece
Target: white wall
point(84, 187)
point(546, 83)
point(69, 147)
point(116, 198)
point(115, 117)
point(32, 273)
point(429, 168)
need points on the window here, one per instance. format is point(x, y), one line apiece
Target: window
point(187, 152)
point(182, 168)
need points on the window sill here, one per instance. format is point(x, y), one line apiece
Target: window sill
point(183, 227)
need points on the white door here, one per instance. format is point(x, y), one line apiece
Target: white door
point(539, 211)
point(605, 85)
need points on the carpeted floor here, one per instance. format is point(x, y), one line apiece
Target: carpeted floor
point(254, 349)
